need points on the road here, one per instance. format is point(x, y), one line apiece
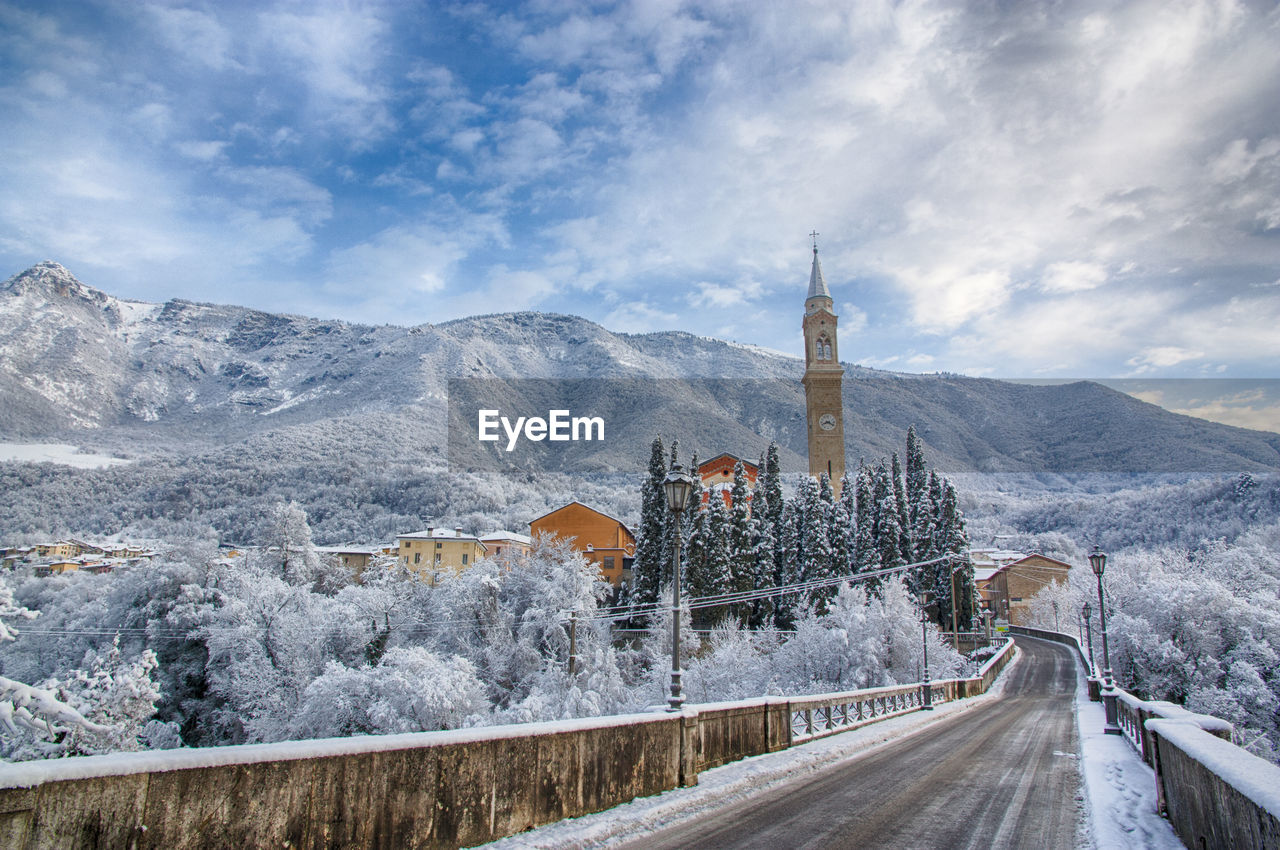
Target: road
point(1001, 775)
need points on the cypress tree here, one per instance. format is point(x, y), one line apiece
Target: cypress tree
point(866, 556)
point(904, 520)
point(651, 558)
point(842, 532)
point(917, 478)
point(716, 574)
point(818, 507)
point(741, 550)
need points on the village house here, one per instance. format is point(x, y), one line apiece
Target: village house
point(717, 476)
point(354, 558)
point(1007, 581)
point(603, 540)
point(436, 551)
point(498, 542)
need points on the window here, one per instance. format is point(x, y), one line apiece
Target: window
point(437, 558)
point(464, 559)
point(417, 557)
point(439, 545)
point(608, 562)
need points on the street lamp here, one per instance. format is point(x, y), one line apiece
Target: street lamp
point(924, 641)
point(678, 485)
point(1088, 630)
point(1098, 562)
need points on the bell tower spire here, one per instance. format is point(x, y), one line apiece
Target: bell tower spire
point(823, 377)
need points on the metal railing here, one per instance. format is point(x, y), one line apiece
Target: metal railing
point(814, 717)
point(825, 714)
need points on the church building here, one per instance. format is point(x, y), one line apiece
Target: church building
point(824, 410)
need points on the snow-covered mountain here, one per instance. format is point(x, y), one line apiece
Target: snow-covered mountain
point(81, 366)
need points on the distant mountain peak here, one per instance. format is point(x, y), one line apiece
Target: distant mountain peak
point(53, 279)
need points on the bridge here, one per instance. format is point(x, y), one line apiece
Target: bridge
point(1001, 774)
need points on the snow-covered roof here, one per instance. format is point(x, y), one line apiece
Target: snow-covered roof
point(588, 507)
point(436, 534)
point(498, 536)
point(349, 550)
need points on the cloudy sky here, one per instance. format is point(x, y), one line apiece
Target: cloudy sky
point(1017, 189)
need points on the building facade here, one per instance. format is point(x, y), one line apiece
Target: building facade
point(717, 476)
point(1007, 581)
point(823, 379)
point(439, 551)
point(603, 540)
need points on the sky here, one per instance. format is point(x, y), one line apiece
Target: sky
point(1006, 189)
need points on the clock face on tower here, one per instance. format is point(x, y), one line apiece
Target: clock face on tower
point(826, 421)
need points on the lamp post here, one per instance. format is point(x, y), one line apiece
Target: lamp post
point(678, 485)
point(1088, 630)
point(1098, 562)
point(924, 641)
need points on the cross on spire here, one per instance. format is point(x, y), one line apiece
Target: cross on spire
point(814, 236)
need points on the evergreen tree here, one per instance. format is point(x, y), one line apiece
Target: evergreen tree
point(763, 563)
point(696, 539)
point(888, 531)
point(648, 568)
point(819, 503)
point(789, 552)
point(866, 556)
point(717, 576)
point(771, 483)
point(917, 479)
point(842, 532)
point(742, 554)
point(900, 499)
point(950, 539)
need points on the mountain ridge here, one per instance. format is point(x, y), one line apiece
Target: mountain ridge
point(79, 364)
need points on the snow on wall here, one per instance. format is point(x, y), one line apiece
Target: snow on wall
point(1255, 778)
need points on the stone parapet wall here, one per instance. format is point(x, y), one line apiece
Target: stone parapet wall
point(426, 790)
point(1214, 793)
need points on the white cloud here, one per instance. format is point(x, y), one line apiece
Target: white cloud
point(1161, 356)
point(194, 35)
point(335, 52)
point(1072, 276)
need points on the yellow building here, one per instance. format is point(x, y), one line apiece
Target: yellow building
point(439, 551)
point(61, 549)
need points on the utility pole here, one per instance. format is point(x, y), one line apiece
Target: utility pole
point(573, 643)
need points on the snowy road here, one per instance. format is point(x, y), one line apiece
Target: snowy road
point(1003, 775)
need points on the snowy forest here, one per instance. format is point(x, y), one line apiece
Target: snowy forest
point(198, 650)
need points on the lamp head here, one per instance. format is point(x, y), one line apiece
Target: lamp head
point(1098, 561)
point(678, 485)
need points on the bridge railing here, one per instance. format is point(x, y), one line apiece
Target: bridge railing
point(1215, 794)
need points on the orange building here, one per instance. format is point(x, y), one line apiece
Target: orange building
point(604, 540)
point(717, 476)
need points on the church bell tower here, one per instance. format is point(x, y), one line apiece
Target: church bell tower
point(822, 379)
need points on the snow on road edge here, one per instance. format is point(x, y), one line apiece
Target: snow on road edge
point(734, 781)
point(1119, 788)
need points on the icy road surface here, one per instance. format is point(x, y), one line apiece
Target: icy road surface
point(1001, 776)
